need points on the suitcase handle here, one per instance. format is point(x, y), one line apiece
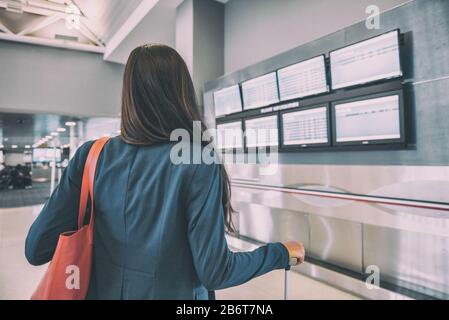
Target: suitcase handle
point(292, 262)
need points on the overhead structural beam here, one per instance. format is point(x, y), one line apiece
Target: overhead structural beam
point(5, 29)
point(47, 5)
point(52, 12)
point(72, 3)
point(84, 29)
point(41, 24)
point(52, 43)
point(43, 8)
point(133, 20)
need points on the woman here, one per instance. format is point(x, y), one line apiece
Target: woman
point(159, 227)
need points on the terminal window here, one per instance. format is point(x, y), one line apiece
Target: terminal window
point(261, 91)
point(363, 62)
point(303, 79)
point(372, 119)
point(227, 101)
point(230, 135)
point(305, 127)
point(262, 132)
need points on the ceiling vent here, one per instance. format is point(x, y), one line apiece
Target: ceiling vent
point(14, 6)
point(66, 38)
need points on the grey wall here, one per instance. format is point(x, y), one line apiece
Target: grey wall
point(200, 41)
point(425, 58)
point(258, 29)
point(184, 32)
point(38, 79)
point(158, 26)
point(208, 42)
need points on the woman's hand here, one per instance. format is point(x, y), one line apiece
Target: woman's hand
point(296, 251)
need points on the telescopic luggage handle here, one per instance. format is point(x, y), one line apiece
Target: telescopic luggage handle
point(292, 262)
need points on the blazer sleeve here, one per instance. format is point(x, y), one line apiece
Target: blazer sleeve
point(60, 212)
point(216, 266)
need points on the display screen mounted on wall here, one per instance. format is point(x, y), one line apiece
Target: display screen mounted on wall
point(303, 79)
point(363, 62)
point(230, 135)
point(369, 120)
point(259, 92)
point(305, 127)
point(262, 131)
point(227, 101)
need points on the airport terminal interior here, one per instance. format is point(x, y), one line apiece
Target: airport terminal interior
point(331, 118)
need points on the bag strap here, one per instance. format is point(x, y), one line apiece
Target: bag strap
point(87, 184)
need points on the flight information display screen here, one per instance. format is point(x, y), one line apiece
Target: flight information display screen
point(260, 92)
point(227, 101)
point(305, 127)
point(366, 61)
point(367, 120)
point(303, 79)
point(46, 155)
point(230, 135)
point(262, 132)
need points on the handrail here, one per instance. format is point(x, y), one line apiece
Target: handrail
point(421, 204)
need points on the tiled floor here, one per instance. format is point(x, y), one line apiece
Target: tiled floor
point(271, 286)
point(18, 279)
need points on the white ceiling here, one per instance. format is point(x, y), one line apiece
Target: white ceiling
point(104, 26)
point(157, 26)
point(75, 24)
point(105, 17)
point(111, 27)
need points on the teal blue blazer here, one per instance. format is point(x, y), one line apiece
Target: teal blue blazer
point(159, 227)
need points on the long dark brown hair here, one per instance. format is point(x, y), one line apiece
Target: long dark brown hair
point(158, 97)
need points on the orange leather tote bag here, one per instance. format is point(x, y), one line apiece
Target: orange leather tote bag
point(68, 275)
